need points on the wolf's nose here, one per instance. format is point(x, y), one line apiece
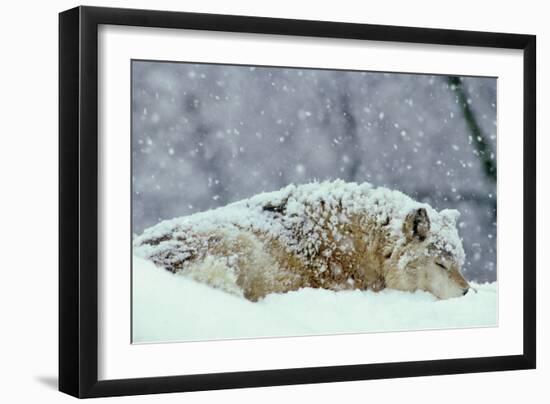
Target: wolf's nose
point(464, 291)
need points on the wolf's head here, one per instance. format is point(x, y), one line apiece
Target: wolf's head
point(429, 255)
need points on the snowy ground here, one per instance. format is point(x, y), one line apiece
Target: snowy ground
point(169, 307)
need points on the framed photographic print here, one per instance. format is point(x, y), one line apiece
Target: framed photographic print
point(250, 201)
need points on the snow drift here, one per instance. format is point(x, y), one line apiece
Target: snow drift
point(168, 307)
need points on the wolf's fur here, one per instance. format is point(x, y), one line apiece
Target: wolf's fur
point(331, 235)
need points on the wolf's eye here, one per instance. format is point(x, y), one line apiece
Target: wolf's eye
point(441, 265)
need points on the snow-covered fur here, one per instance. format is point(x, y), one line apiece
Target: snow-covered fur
point(331, 235)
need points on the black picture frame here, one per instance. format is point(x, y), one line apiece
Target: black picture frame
point(78, 201)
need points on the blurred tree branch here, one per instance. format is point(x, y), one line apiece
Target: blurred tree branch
point(482, 146)
point(350, 130)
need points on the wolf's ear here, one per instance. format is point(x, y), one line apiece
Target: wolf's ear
point(416, 225)
point(450, 216)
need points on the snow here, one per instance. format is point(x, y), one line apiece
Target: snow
point(168, 307)
point(282, 129)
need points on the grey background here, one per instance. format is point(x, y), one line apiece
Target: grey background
point(205, 135)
